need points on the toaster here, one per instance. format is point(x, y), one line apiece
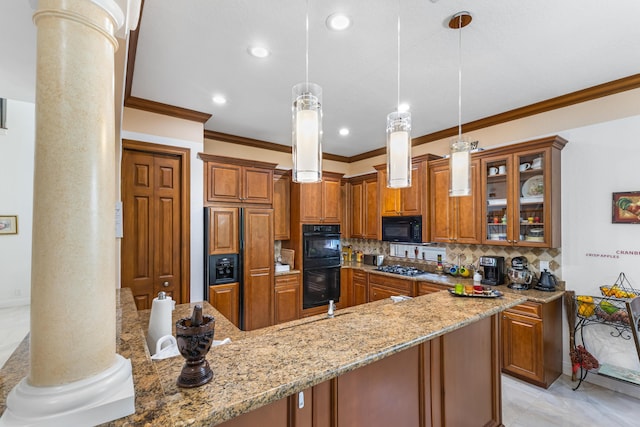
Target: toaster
point(373, 259)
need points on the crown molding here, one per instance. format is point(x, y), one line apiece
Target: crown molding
point(584, 95)
point(250, 142)
point(166, 109)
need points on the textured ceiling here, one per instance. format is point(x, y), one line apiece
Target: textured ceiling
point(514, 53)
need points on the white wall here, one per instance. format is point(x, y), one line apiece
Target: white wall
point(599, 160)
point(197, 205)
point(17, 149)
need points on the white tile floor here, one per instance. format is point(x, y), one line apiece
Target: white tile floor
point(523, 405)
point(14, 326)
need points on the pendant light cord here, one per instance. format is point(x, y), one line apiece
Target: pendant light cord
point(459, 78)
point(306, 66)
point(398, 104)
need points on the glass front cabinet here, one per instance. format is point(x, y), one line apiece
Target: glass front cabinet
point(521, 194)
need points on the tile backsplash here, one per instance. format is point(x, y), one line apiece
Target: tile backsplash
point(464, 254)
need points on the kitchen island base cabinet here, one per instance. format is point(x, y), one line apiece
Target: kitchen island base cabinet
point(437, 383)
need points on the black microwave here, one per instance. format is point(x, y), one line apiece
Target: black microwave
point(402, 229)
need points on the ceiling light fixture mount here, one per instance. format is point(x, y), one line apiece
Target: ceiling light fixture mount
point(460, 20)
point(460, 159)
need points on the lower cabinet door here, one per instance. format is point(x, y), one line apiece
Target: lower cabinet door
point(425, 288)
point(384, 393)
point(226, 299)
point(287, 303)
point(522, 346)
point(377, 293)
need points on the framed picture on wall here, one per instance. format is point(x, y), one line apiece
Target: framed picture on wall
point(626, 208)
point(8, 224)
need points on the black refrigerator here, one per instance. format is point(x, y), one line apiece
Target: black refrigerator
point(239, 264)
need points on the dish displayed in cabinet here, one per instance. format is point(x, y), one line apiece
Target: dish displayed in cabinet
point(533, 187)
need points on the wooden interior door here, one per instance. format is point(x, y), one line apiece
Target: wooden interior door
point(151, 254)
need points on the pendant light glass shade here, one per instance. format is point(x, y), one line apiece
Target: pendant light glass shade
point(460, 167)
point(307, 132)
point(399, 149)
point(460, 148)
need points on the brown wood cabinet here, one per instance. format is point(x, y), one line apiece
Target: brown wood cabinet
point(282, 204)
point(521, 202)
point(346, 288)
point(359, 288)
point(258, 268)
point(425, 288)
point(226, 299)
point(230, 180)
point(319, 202)
point(287, 298)
point(381, 287)
point(532, 342)
point(454, 219)
point(432, 384)
point(401, 201)
point(223, 230)
point(365, 217)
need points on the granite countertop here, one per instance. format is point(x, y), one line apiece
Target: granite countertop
point(533, 295)
point(265, 365)
point(268, 364)
point(286, 273)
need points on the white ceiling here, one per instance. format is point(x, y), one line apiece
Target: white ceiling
point(514, 53)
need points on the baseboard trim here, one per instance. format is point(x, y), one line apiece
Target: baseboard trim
point(606, 382)
point(15, 302)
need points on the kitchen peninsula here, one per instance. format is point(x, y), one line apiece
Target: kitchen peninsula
point(378, 361)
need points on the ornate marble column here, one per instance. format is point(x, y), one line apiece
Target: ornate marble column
point(75, 374)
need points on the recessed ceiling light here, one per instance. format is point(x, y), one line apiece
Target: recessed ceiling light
point(403, 108)
point(258, 51)
point(219, 99)
point(338, 22)
point(344, 131)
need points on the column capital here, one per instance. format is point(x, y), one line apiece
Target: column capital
point(125, 13)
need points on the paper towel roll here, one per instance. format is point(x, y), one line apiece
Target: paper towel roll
point(160, 320)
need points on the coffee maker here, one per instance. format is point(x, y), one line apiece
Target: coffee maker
point(493, 267)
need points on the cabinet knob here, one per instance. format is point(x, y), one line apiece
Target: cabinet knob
point(165, 284)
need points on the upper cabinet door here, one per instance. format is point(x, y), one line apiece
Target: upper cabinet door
point(411, 197)
point(311, 202)
point(403, 201)
point(223, 231)
point(319, 202)
point(521, 194)
point(282, 205)
point(224, 183)
point(257, 185)
point(229, 180)
point(454, 219)
point(370, 207)
point(331, 201)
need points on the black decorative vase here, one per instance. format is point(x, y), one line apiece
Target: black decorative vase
point(194, 336)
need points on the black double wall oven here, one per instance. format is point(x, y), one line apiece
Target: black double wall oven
point(320, 264)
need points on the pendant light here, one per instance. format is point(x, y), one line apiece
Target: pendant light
point(307, 125)
point(399, 139)
point(460, 159)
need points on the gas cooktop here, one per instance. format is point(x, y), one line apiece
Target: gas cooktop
point(400, 269)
